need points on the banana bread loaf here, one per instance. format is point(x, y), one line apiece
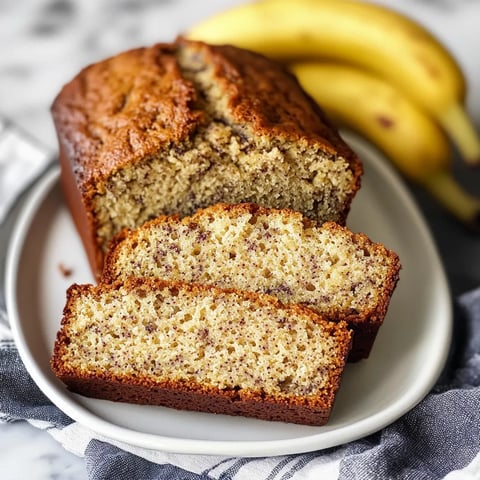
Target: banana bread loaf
point(176, 127)
point(200, 348)
point(341, 275)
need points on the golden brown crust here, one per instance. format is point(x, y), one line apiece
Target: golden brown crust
point(126, 109)
point(197, 398)
point(267, 97)
point(189, 394)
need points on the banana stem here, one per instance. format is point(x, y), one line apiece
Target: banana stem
point(462, 132)
point(464, 206)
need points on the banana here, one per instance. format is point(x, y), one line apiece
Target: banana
point(372, 107)
point(371, 36)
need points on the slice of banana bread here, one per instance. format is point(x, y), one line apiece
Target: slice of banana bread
point(200, 348)
point(341, 275)
point(176, 127)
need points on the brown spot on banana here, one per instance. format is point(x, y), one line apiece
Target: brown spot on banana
point(385, 121)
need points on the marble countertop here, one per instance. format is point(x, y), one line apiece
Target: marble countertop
point(45, 43)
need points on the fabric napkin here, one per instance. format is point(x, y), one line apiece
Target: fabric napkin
point(437, 439)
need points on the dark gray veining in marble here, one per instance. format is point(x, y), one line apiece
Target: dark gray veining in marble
point(54, 16)
point(446, 5)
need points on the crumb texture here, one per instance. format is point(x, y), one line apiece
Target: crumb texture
point(157, 333)
point(272, 251)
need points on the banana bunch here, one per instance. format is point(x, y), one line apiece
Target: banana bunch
point(372, 70)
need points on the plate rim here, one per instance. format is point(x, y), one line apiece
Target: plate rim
point(305, 443)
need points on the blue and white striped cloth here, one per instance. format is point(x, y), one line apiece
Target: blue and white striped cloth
point(438, 439)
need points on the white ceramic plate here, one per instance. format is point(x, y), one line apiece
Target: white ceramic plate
point(407, 358)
